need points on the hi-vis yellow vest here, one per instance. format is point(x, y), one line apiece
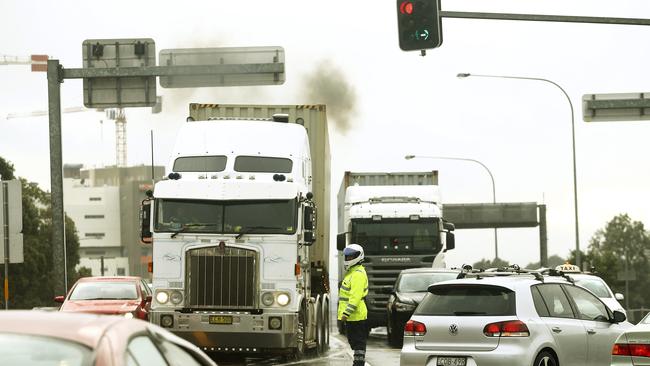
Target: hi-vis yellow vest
point(352, 293)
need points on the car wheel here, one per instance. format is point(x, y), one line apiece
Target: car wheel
point(545, 358)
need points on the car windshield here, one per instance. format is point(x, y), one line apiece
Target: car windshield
point(233, 217)
point(420, 282)
point(468, 300)
point(21, 349)
point(595, 285)
point(104, 290)
point(397, 236)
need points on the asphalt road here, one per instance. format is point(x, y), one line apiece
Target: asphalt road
point(339, 354)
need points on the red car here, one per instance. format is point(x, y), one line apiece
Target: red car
point(55, 338)
point(123, 295)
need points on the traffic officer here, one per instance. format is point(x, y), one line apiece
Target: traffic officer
point(352, 306)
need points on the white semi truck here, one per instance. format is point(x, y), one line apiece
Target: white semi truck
point(397, 218)
point(239, 253)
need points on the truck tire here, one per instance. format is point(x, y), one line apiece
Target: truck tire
point(299, 352)
point(319, 327)
point(326, 323)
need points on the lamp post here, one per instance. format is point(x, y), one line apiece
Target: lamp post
point(494, 195)
point(573, 141)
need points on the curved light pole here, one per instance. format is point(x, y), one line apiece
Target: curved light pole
point(494, 195)
point(573, 141)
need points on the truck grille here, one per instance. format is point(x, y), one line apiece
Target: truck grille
point(385, 274)
point(221, 278)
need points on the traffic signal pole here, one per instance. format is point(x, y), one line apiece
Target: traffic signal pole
point(544, 18)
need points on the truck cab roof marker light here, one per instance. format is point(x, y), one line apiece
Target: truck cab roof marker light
point(252, 177)
point(240, 177)
point(214, 176)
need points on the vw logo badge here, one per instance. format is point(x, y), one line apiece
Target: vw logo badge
point(453, 329)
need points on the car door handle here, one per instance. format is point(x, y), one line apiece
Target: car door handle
point(556, 329)
point(591, 331)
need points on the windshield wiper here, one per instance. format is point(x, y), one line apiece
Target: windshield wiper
point(186, 226)
point(249, 229)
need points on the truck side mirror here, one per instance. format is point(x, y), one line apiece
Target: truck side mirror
point(448, 226)
point(308, 237)
point(146, 236)
point(451, 241)
point(340, 241)
point(309, 218)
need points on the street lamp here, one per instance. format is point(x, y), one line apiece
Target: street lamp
point(494, 195)
point(573, 140)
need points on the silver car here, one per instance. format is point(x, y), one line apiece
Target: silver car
point(518, 320)
point(633, 346)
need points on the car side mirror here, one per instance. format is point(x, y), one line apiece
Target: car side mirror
point(59, 299)
point(450, 241)
point(619, 296)
point(386, 290)
point(619, 316)
point(340, 241)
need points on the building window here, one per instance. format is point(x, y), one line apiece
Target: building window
point(93, 216)
point(95, 235)
point(95, 198)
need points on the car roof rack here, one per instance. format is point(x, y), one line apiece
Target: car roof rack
point(467, 271)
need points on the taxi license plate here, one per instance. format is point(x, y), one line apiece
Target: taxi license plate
point(220, 319)
point(451, 361)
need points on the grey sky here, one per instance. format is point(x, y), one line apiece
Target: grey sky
point(406, 104)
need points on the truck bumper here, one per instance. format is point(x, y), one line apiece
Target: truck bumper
point(247, 333)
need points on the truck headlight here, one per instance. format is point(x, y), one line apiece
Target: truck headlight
point(283, 299)
point(128, 315)
point(162, 297)
point(267, 298)
point(176, 297)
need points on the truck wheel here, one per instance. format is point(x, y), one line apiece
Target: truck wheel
point(299, 351)
point(319, 327)
point(326, 324)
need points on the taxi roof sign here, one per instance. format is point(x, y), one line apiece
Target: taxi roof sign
point(568, 268)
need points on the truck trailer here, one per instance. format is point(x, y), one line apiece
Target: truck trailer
point(397, 219)
point(240, 230)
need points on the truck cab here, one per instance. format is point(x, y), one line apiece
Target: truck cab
point(232, 228)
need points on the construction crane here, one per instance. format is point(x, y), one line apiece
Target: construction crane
point(115, 114)
point(38, 62)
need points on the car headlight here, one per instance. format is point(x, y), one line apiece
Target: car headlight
point(162, 297)
point(176, 297)
point(283, 299)
point(128, 315)
point(268, 298)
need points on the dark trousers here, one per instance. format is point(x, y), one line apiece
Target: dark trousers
point(357, 332)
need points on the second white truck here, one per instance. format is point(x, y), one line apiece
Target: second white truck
point(397, 218)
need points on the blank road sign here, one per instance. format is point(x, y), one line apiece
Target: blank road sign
point(14, 205)
point(111, 92)
point(242, 66)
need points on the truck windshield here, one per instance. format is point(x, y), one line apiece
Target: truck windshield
point(228, 217)
point(397, 236)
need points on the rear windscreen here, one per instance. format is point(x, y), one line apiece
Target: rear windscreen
point(468, 300)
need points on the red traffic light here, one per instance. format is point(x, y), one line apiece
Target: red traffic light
point(406, 7)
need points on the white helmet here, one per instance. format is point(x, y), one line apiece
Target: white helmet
point(353, 254)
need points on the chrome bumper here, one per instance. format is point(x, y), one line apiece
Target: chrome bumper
point(247, 333)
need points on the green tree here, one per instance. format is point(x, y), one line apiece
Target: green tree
point(621, 239)
point(31, 283)
point(553, 261)
point(487, 263)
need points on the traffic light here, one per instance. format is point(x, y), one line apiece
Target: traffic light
point(419, 25)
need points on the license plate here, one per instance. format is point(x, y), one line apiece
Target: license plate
point(220, 319)
point(451, 361)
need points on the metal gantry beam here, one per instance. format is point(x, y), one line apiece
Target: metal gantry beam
point(545, 18)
